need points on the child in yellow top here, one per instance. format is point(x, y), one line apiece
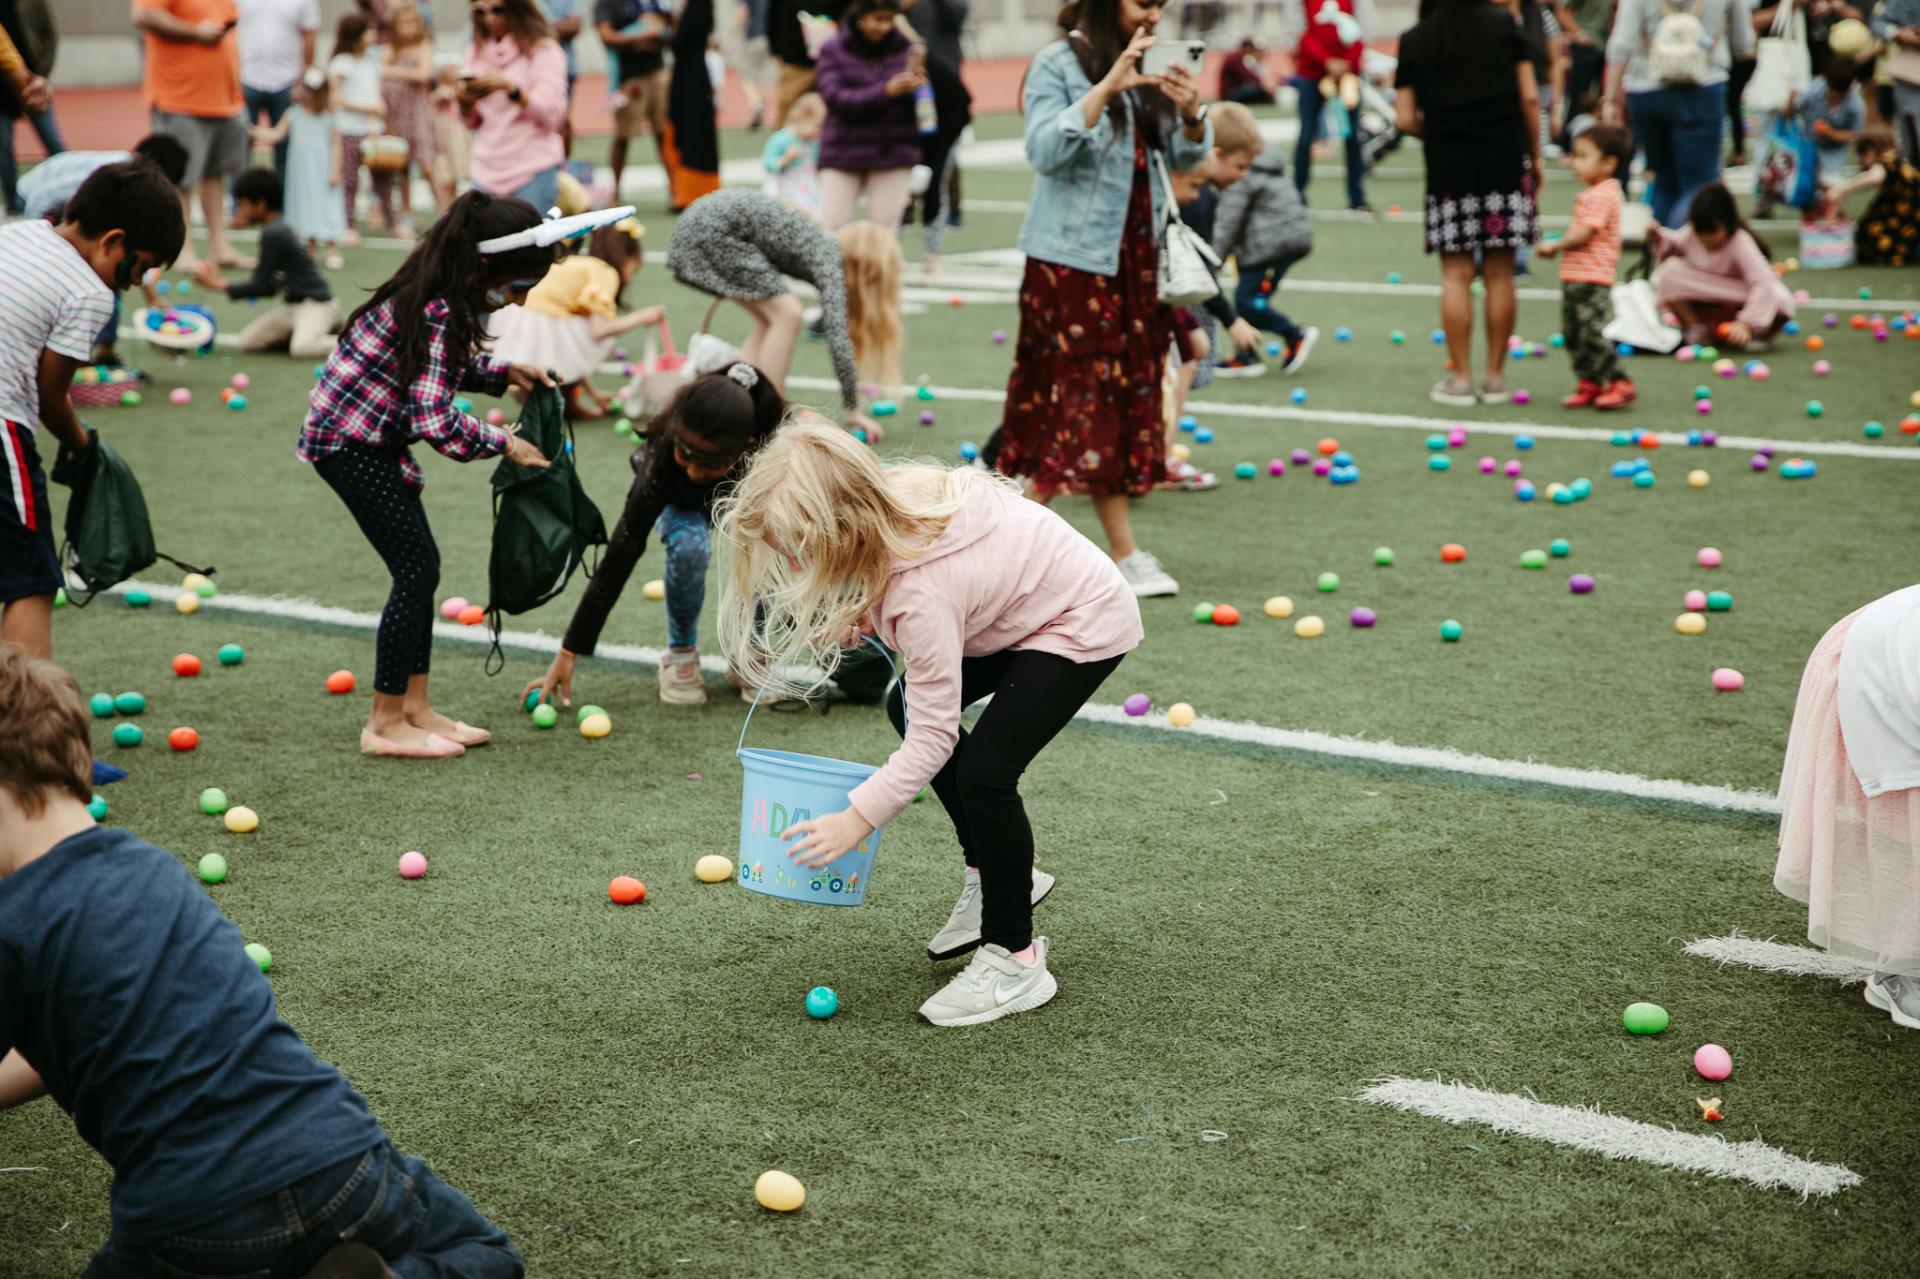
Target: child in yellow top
point(570, 319)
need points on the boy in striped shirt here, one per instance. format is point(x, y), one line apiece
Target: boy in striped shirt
point(1589, 256)
point(59, 292)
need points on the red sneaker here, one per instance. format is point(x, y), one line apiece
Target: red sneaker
point(1583, 395)
point(1618, 395)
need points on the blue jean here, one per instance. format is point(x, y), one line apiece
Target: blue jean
point(49, 130)
point(1257, 308)
point(391, 1202)
point(1311, 104)
point(540, 190)
point(688, 539)
point(109, 335)
point(1680, 128)
point(275, 103)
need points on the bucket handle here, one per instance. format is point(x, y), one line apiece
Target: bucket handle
point(878, 647)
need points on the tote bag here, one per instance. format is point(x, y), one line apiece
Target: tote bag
point(1784, 65)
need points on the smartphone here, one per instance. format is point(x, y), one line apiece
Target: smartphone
point(1165, 53)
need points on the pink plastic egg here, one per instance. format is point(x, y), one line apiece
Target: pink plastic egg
point(1821, 368)
point(1712, 1061)
point(1456, 437)
point(1513, 469)
point(1709, 557)
point(180, 395)
point(413, 865)
point(1523, 396)
point(1703, 407)
point(1488, 466)
point(1276, 467)
point(450, 608)
point(1760, 373)
point(1322, 467)
point(241, 381)
point(1696, 601)
point(1728, 680)
point(1685, 355)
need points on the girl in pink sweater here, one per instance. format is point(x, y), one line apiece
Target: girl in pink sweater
point(983, 593)
point(1716, 277)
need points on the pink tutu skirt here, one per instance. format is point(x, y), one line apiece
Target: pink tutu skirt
point(564, 347)
point(1854, 861)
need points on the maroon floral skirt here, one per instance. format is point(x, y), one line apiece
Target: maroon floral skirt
point(1085, 403)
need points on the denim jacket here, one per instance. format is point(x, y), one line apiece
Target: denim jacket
point(1085, 175)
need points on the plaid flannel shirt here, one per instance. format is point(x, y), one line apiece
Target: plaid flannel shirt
point(358, 398)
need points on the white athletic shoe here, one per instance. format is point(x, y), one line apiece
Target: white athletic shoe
point(962, 931)
point(1146, 576)
point(680, 681)
point(1301, 350)
point(1897, 996)
point(993, 985)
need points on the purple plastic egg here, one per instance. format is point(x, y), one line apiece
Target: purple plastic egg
point(1138, 704)
point(1765, 450)
point(1301, 457)
point(1758, 461)
point(1830, 320)
point(999, 337)
point(1363, 617)
point(1709, 438)
point(926, 418)
point(1580, 584)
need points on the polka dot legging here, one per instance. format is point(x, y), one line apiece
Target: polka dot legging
point(391, 515)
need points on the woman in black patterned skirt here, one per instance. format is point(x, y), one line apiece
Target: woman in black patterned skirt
point(1466, 88)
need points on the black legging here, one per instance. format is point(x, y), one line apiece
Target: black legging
point(1034, 695)
point(390, 514)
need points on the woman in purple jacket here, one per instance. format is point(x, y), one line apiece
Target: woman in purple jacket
point(868, 74)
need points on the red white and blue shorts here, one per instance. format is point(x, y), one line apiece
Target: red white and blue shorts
point(29, 565)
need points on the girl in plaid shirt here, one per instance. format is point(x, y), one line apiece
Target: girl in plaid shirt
point(391, 381)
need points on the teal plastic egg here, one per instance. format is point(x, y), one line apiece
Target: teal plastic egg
point(1451, 630)
point(128, 735)
point(232, 655)
point(1719, 601)
point(1560, 548)
point(98, 808)
point(101, 704)
point(137, 598)
point(130, 703)
point(822, 1003)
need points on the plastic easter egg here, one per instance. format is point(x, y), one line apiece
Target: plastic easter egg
point(1758, 462)
point(186, 604)
point(1226, 615)
point(183, 739)
point(1180, 453)
point(232, 655)
point(779, 1191)
point(1203, 435)
point(237, 403)
point(180, 395)
point(1363, 617)
point(1279, 606)
point(1245, 470)
point(885, 408)
point(213, 801)
point(587, 712)
point(1696, 601)
point(1533, 559)
point(1451, 631)
point(1719, 602)
point(1452, 553)
point(1712, 1061)
point(713, 869)
point(1180, 715)
point(1690, 624)
point(1815, 408)
point(822, 1003)
point(462, 404)
point(101, 704)
point(1203, 613)
point(625, 890)
point(1439, 462)
point(1393, 277)
point(212, 869)
point(1643, 480)
point(241, 820)
point(1383, 556)
point(1137, 704)
point(1523, 442)
point(340, 683)
point(139, 597)
point(1436, 442)
point(1327, 583)
point(471, 615)
point(1398, 337)
point(999, 337)
point(1873, 430)
point(241, 381)
point(1698, 479)
point(1276, 467)
point(1560, 548)
point(1512, 469)
point(1299, 395)
point(1522, 396)
point(260, 955)
point(413, 865)
point(496, 418)
point(1309, 628)
point(97, 809)
point(545, 716)
point(655, 590)
point(450, 607)
point(596, 726)
point(128, 735)
point(1488, 466)
point(1343, 334)
point(130, 703)
point(1580, 584)
point(1709, 557)
point(1821, 368)
point(1645, 1019)
point(186, 665)
point(1728, 680)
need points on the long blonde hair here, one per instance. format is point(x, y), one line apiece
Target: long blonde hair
point(810, 536)
point(873, 270)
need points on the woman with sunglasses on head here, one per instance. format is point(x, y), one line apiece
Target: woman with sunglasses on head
point(391, 380)
point(513, 95)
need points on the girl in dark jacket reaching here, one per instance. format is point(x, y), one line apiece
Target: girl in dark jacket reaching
point(868, 75)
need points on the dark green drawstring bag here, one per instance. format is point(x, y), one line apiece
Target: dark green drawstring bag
point(543, 521)
point(108, 535)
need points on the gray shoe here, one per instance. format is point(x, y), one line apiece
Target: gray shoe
point(1146, 576)
point(962, 932)
point(1897, 996)
point(993, 985)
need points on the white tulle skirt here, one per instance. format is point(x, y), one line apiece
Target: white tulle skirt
point(1853, 860)
point(566, 347)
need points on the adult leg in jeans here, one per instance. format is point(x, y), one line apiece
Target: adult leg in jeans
point(1699, 125)
point(1310, 104)
point(1652, 118)
point(688, 540)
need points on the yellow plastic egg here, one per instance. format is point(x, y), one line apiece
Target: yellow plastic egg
point(656, 590)
point(1309, 628)
point(1698, 479)
point(193, 581)
point(242, 820)
point(1555, 487)
point(188, 603)
point(1690, 624)
point(1181, 453)
point(1180, 715)
point(780, 1191)
point(1279, 606)
point(596, 726)
point(713, 869)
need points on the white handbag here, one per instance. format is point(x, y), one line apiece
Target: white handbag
point(1636, 319)
point(1186, 260)
point(1784, 65)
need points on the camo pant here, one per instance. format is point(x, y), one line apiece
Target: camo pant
point(1585, 309)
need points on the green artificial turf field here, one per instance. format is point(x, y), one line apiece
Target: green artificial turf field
point(1246, 934)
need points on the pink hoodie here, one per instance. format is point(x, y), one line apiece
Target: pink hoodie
point(512, 144)
point(1006, 574)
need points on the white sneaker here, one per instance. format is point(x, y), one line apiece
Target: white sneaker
point(1301, 350)
point(1146, 576)
point(1897, 996)
point(993, 985)
point(962, 931)
point(680, 681)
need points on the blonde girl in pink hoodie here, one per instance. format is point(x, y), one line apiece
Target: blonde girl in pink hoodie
point(983, 594)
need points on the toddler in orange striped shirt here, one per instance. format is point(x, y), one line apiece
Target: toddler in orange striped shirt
point(1589, 256)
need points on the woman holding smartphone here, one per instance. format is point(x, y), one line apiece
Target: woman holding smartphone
point(513, 95)
point(1083, 411)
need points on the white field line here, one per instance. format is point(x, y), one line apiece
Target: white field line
point(1610, 1135)
point(1778, 957)
point(1380, 752)
point(1427, 425)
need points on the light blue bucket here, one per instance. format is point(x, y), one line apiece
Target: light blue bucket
point(784, 787)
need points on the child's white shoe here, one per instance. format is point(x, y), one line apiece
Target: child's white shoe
point(962, 931)
point(992, 986)
point(680, 681)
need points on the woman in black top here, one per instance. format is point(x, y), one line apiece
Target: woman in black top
point(1466, 88)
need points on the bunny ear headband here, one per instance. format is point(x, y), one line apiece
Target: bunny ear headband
point(554, 230)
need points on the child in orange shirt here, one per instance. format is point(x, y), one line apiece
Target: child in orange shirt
point(1589, 256)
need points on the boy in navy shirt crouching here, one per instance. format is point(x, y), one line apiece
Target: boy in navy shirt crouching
point(126, 995)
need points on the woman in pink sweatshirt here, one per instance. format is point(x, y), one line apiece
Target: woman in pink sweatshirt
point(1716, 277)
point(984, 593)
point(513, 95)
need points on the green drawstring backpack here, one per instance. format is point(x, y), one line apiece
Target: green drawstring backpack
point(543, 521)
point(108, 535)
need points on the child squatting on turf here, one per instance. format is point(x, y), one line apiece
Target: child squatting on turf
point(390, 381)
point(128, 997)
point(1589, 257)
point(983, 593)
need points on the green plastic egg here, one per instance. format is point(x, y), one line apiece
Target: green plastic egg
point(205, 589)
point(1703, 393)
point(585, 711)
point(260, 955)
point(532, 699)
point(102, 705)
point(544, 716)
point(1203, 613)
point(128, 735)
point(1645, 1019)
point(1719, 601)
point(130, 703)
point(1328, 582)
point(232, 655)
point(60, 597)
point(212, 869)
point(213, 801)
point(1560, 548)
point(1533, 559)
point(97, 807)
point(1383, 556)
